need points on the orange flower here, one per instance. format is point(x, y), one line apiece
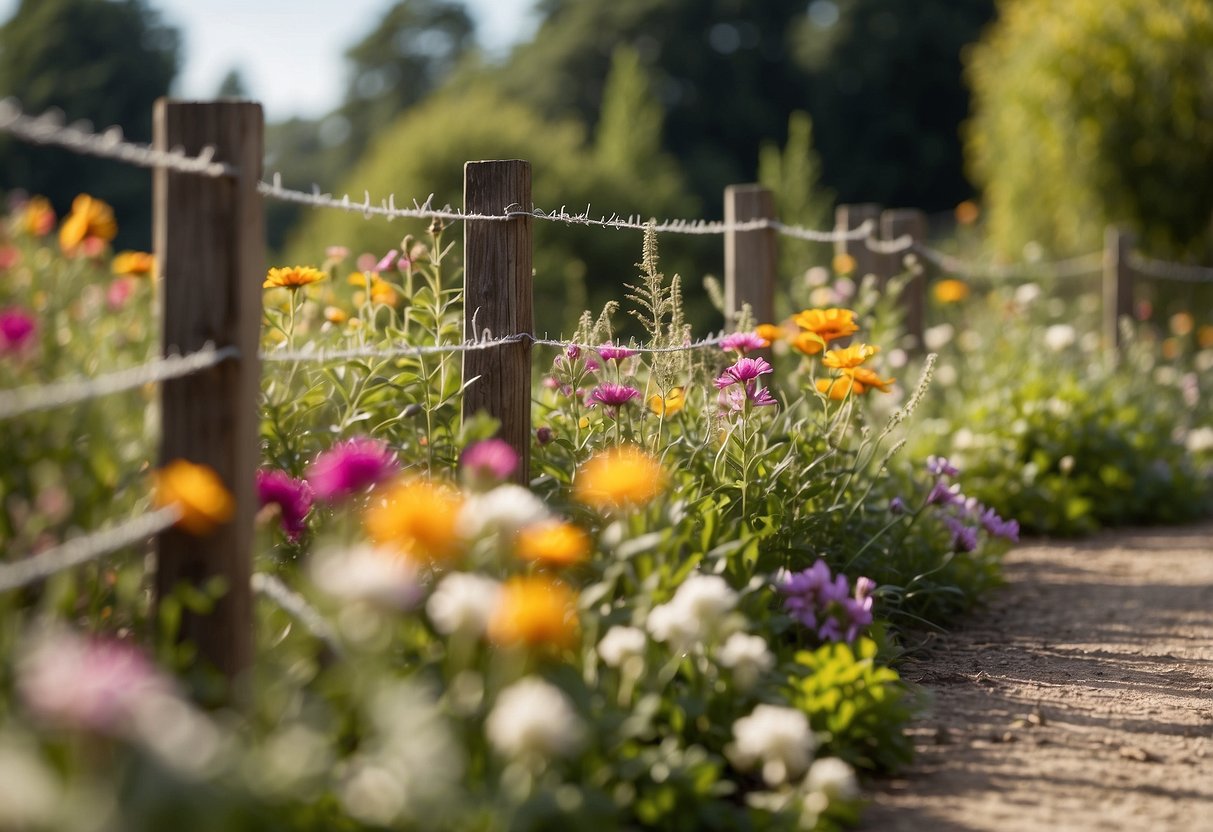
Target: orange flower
point(849, 357)
point(293, 277)
point(967, 212)
point(671, 404)
point(619, 477)
point(557, 544)
point(90, 218)
point(836, 388)
point(857, 380)
point(134, 263)
point(1204, 337)
point(844, 263)
point(951, 291)
point(335, 315)
point(37, 217)
point(821, 326)
point(199, 494)
point(1182, 323)
point(770, 332)
point(381, 291)
point(535, 611)
point(419, 518)
point(1171, 349)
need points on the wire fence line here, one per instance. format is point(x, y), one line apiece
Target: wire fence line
point(296, 606)
point(1072, 267)
point(1166, 270)
point(22, 400)
point(82, 550)
point(79, 137)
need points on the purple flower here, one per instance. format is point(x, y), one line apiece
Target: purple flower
point(543, 435)
point(944, 494)
point(997, 527)
point(746, 369)
point(821, 602)
point(964, 538)
point(573, 352)
point(743, 342)
point(938, 466)
point(385, 262)
point(735, 398)
point(349, 467)
point(293, 498)
point(612, 395)
point(492, 460)
point(16, 328)
point(610, 352)
point(897, 506)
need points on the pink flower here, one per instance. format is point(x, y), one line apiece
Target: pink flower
point(366, 262)
point(385, 262)
point(743, 342)
point(492, 460)
point(349, 467)
point(612, 395)
point(119, 292)
point(745, 370)
point(16, 329)
point(9, 256)
point(336, 253)
point(735, 398)
point(610, 352)
point(293, 498)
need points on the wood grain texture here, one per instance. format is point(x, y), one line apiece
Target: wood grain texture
point(210, 245)
point(1117, 283)
point(750, 257)
point(912, 223)
point(499, 299)
point(849, 217)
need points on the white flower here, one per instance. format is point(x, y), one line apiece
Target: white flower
point(946, 375)
point(698, 610)
point(505, 509)
point(1027, 293)
point(777, 738)
point(29, 790)
point(464, 602)
point(367, 573)
point(833, 778)
point(1060, 336)
point(747, 656)
point(706, 596)
point(1199, 441)
point(937, 337)
point(532, 717)
point(621, 644)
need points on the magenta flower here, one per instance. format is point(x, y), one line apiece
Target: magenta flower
point(490, 461)
point(612, 395)
point(743, 342)
point(349, 467)
point(293, 498)
point(17, 329)
point(385, 262)
point(610, 352)
point(745, 370)
point(544, 435)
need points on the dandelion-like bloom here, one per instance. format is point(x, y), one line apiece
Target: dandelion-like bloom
point(292, 497)
point(612, 395)
point(826, 324)
point(197, 492)
point(17, 328)
point(349, 467)
point(744, 371)
point(610, 352)
point(743, 342)
point(776, 739)
point(536, 612)
point(621, 644)
point(37, 217)
point(418, 518)
point(490, 461)
point(619, 477)
point(673, 402)
point(292, 277)
point(90, 218)
point(850, 357)
point(532, 718)
point(464, 602)
point(133, 264)
point(553, 543)
point(950, 291)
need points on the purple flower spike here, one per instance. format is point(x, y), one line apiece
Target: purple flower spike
point(746, 369)
point(612, 395)
point(492, 460)
point(349, 467)
point(610, 352)
point(293, 498)
point(938, 466)
point(743, 342)
point(16, 329)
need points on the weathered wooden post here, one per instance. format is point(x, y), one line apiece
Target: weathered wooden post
point(750, 257)
point(1117, 283)
point(209, 237)
point(499, 300)
point(848, 218)
point(909, 223)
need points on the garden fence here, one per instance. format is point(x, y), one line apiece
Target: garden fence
point(209, 242)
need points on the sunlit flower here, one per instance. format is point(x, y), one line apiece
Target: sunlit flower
point(418, 518)
point(610, 352)
point(747, 656)
point(612, 395)
point(351, 466)
point(743, 371)
point(556, 544)
point(844, 263)
point(697, 612)
point(532, 718)
point(197, 492)
point(835, 388)
point(673, 402)
point(17, 328)
point(950, 291)
point(133, 264)
point(770, 332)
point(489, 461)
point(743, 342)
point(849, 357)
point(90, 218)
point(823, 326)
point(832, 777)
point(619, 477)
point(37, 217)
point(463, 602)
point(292, 497)
point(505, 510)
point(1059, 337)
point(621, 644)
point(777, 740)
point(368, 573)
point(292, 277)
point(535, 611)
point(335, 315)
point(857, 380)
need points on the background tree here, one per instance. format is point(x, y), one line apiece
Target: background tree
point(794, 175)
point(102, 60)
point(1095, 111)
point(233, 85)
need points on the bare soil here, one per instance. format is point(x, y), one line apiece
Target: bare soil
point(1081, 698)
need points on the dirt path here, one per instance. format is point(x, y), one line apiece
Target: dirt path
point(1080, 699)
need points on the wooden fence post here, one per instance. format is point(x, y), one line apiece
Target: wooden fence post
point(750, 257)
point(1117, 283)
point(911, 223)
point(499, 298)
point(848, 218)
point(210, 247)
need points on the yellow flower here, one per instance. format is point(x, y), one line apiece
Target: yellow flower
point(1204, 337)
point(844, 263)
point(199, 494)
point(770, 332)
point(335, 315)
point(849, 357)
point(557, 544)
point(134, 263)
point(381, 291)
point(583, 422)
point(38, 217)
point(419, 518)
point(618, 477)
point(821, 326)
point(951, 291)
point(857, 380)
point(669, 405)
point(535, 611)
point(292, 277)
point(89, 217)
point(836, 388)
point(967, 212)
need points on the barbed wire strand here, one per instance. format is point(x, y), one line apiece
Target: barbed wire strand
point(296, 606)
point(79, 137)
point(1073, 267)
point(1165, 270)
point(33, 398)
point(81, 550)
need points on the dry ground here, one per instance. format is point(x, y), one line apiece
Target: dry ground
point(1081, 698)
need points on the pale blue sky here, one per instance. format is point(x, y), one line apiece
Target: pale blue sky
point(290, 50)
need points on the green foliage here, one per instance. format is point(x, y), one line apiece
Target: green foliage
point(1088, 113)
point(794, 175)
